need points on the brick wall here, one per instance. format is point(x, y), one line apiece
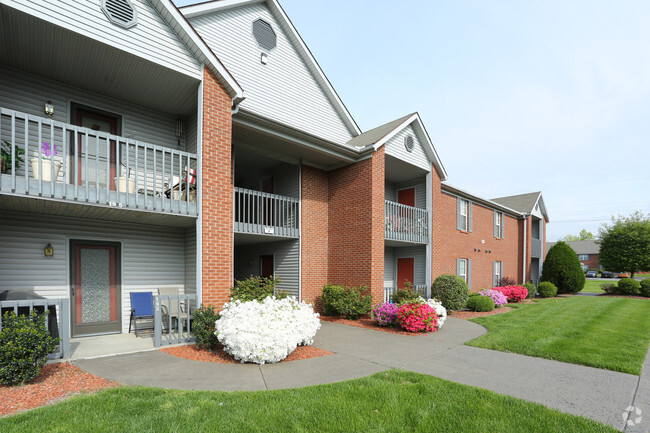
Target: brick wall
point(356, 224)
point(314, 232)
point(217, 193)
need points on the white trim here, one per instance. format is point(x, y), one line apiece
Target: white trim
point(428, 249)
point(486, 203)
point(300, 231)
point(199, 197)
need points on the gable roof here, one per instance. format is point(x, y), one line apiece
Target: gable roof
point(450, 189)
point(525, 203)
point(377, 137)
point(303, 51)
point(173, 16)
point(580, 247)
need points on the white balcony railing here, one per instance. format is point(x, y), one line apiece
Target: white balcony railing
point(406, 223)
point(72, 163)
point(259, 212)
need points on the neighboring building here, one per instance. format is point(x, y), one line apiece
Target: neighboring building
point(587, 252)
point(286, 184)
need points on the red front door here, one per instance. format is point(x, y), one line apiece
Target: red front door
point(266, 266)
point(405, 271)
point(406, 196)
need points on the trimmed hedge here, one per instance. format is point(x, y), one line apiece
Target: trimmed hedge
point(547, 289)
point(563, 269)
point(350, 302)
point(532, 290)
point(480, 303)
point(645, 288)
point(451, 291)
point(628, 287)
point(203, 319)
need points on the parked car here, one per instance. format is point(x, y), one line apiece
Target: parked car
point(591, 274)
point(623, 275)
point(607, 274)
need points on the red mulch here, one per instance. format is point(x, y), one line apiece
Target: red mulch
point(367, 323)
point(55, 383)
point(220, 355)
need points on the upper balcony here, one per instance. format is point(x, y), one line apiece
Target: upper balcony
point(406, 223)
point(58, 161)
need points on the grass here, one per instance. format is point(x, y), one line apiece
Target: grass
point(394, 401)
point(593, 286)
point(609, 333)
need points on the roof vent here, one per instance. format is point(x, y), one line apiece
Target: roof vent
point(264, 34)
point(408, 143)
point(120, 12)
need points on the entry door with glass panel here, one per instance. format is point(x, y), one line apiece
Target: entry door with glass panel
point(96, 155)
point(95, 287)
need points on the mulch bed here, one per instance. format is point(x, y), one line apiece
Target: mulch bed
point(55, 383)
point(220, 355)
point(367, 323)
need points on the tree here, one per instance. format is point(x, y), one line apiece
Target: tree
point(625, 244)
point(562, 268)
point(583, 236)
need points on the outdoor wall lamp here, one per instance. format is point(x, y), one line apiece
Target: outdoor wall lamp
point(49, 108)
point(49, 249)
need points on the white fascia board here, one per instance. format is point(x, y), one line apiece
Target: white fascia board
point(314, 67)
point(191, 11)
point(449, 189)
point(542, 207)
point(198, 47)
point(429, 149)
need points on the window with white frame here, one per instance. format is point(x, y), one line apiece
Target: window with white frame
point(461, 270)
point(498, 225)
point(583, 256)
point(497, 273)
point(463, 215)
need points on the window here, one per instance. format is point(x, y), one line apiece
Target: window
point(497, 273)
point(463, 215)
point(498, 224)
point(583, 256)
point(464, 270)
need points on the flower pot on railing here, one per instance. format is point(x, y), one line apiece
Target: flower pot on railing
point(125, 184)
point(46, 169)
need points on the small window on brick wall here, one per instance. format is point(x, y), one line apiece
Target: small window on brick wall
point(583, 256)
point(497, 273)
point(464, 270)
point(498, 224)
point(463, 215)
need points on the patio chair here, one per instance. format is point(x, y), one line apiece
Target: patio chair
point(141, 312)
point(170, 309)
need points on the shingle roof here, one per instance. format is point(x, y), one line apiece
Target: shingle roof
point(521, 202)
point(372, 136)
point(580, 247)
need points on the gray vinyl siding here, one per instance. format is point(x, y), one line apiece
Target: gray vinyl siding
point(152, 256)
point(287, 180)
point(392, 190)
point(285, 262)
point(191, 135)
point(190, 260)
point(395, 147)
point(283, 90)
point(391, 254)
point(151, 38)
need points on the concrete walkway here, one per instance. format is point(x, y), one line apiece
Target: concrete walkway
point(590, 392)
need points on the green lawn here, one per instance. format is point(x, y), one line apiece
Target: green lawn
point(395, 401)
point(610, 333)
point(593, 286)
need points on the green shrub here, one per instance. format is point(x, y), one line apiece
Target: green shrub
point(203, 319)
point(471, 295)
point(563, 269)
point(24, 345)
point(451, 291)
point(644, 290)
point(609, 288)
point(480, 303)
point(547, 289)
point(628, 287)
point(350, 302)
point(532, 290)
point(402, 296)
point(255, 288)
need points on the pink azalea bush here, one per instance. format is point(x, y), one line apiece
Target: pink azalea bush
point(498, 297)
point(417, 317)
point(385, 314)
point(513, 293)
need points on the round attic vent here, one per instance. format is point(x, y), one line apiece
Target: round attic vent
point(120, 12)
point(408, 143)
point(264, 34)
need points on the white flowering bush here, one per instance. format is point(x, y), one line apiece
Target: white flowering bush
point(266, 331)
point(440, 310)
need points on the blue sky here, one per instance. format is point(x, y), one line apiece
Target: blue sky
point(516, 96)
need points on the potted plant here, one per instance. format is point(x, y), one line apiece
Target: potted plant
point(45, 163)
point(5, 156)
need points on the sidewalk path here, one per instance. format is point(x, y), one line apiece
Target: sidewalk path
point(594, 393)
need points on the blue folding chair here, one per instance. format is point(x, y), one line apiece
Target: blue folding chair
point(141, 312)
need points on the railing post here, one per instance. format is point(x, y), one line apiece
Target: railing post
point(157, 322)
point(64, 328)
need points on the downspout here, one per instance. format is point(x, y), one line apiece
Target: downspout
point(525, 245)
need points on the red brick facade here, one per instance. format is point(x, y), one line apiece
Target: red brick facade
point(217, 193)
